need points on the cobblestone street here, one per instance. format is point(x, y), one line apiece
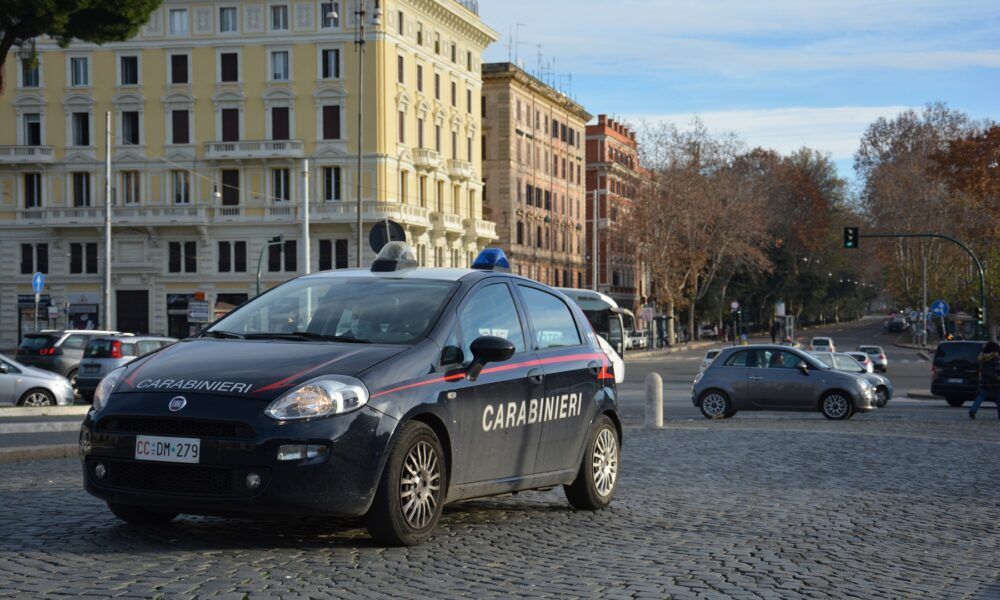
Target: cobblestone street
point(753, 507)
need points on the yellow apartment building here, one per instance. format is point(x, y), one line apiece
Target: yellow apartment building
point(216, 108)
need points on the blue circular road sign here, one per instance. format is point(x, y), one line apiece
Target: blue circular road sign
point(38, 282)
point(939, 308)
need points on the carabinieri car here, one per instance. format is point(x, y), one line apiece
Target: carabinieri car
point(385, 393)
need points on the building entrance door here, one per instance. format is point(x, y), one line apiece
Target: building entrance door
point(132, 311)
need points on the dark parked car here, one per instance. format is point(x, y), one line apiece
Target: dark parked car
point(57, 351)
point(955, 374)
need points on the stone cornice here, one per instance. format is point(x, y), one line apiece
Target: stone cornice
point(509, 71)
point(456, 17)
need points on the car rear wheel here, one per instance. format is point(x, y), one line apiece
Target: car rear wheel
point(37, 397)
point(837, 406)
point(956, 402)
point(411, 494)
point(882, 397)
point(595, 482)
point(716, 405)
point(138, 515)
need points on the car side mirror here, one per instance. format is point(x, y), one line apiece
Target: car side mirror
point(3, 368)
point(804, 368)
point(488, 349)
point(452, 355)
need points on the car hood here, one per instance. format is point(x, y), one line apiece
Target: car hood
point(876, 379)
point(34, 373)
point(248, 368)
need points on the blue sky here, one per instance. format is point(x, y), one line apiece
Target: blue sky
point(781, 73)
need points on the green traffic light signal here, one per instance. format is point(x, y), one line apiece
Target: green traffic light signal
point(851, 236)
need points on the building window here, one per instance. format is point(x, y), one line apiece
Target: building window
point(420, 78)
point(468, 101)
point(437, 86)
point(32, 190)
point(454, 145)
point(468, 149)
point(130, 128)
point(180, 127)
point(420, 33)
point(178, 21)
point(32, 129)
point(520, 232)
point(279, 65)
point(279, 17)
point(331, 122)
point(83, 258)
point(400, 23)
point(400, 69)
point(454, 94)
point(183, 257)
point(420, 132)
point(332, 254)
point(129, 70)
point(79, 71)
point(330, 13)
point(468, 60)
point(454, 52)
point(422, 190)
point(404, 185)
point(279, 123)
point(81, 189)
point(401, 127)
point(29, 73)
point(229, 67)
point(280, 185)
point(230, 187)
point(330, 59)
point(331, 184)
point(232, 257)
point(279, 256)
point(34, 257)
point(181, 187)
point(437, 138)
point(227, 19)
point(178, 69)
point(230, 124)
point(130, 187)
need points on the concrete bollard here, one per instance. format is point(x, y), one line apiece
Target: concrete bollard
point(654, 401)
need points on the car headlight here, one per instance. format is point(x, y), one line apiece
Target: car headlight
point(106, 386)
point(322, 397)
point(697, 378)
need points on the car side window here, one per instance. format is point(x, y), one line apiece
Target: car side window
point(739, 359)
point(551, 319)
point(490, 311)
point(75, 342)
point(779, 360)
point(147, 346)
point(11, 369)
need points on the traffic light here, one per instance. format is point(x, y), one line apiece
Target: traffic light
point(979, 315)
point(851, 237)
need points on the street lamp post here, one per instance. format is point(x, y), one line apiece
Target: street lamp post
point(360, 44)
point(107, 225)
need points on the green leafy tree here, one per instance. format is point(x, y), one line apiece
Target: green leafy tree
point(97, 21)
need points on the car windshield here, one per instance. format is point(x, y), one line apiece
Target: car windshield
point(355, 310)
point(845, 362)
point(37, 342)
point(957, 353)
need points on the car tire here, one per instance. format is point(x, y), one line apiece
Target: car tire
point(72, 378)
point(715, 404)
point(37, 397)
point(137, 515)
point(882, 396)
point(597, 479)
point(956, 402)
point(393, 520)
point(836, 406)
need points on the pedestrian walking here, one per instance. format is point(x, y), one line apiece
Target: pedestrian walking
point(989, 378)
point(775, 330)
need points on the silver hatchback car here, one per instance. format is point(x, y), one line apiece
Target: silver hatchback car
point(766, 377)
point(27, 386)
point(107, 353)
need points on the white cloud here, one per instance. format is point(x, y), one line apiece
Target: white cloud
point(835, 130)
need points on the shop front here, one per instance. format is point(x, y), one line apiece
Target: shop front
point(26, 314)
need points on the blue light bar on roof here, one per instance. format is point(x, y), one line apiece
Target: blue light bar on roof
point(491, 259)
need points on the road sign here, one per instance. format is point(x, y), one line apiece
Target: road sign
point(38, 283)
point(939, 308)
point(198, 311)
point(734, 305)
point(914, 315)
point(383, 232)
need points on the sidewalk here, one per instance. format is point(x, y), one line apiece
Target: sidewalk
point(39, 433)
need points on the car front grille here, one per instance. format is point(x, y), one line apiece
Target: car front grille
point(188, 480)
point(179, 427)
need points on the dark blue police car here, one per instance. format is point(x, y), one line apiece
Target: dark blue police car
point(385, 393)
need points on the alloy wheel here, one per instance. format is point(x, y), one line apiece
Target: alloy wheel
point(420, 485)
point(37, 399)
point(836, 406)
point(714, 405)
point(605, 460)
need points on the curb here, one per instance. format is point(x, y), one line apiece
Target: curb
point(664, 351)
point(40, 427)
point(29, 453)
point(44, 411)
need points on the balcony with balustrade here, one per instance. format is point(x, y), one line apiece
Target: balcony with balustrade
point(254, 149)
point(425, 159)
point(136, 215)
point(346, 212)
point(447, 223)
point(27, 155)
point(461, 170)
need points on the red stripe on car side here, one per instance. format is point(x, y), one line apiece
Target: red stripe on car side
point(294, 376)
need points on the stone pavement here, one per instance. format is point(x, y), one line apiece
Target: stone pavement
point(747, 508)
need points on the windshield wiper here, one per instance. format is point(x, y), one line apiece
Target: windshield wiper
point(305, 336)
point(228, 335)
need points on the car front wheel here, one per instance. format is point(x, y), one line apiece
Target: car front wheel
point(595, 482)
point(716, 405)
point(411, 493)
point(37, 397)
point(883, 397)
point(837, 406)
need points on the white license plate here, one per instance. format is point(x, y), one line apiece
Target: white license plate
point(953, 380)
point(167, 449)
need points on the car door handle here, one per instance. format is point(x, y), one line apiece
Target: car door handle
point(755, 378)
point(536, 376)
point(595, 367)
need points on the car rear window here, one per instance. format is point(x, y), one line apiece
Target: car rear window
point(37, 342)
point(103, 349)
point(957, 354)
point(870, 349)
point(739, 359)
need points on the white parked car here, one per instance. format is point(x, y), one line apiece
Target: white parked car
point(822, 344)
point(709, 357)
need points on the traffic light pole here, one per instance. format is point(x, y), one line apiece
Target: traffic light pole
point(981, 331)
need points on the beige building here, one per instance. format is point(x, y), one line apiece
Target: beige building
point(216, 106)
point(534, 173)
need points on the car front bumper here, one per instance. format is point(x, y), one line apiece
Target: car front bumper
point(237, 440)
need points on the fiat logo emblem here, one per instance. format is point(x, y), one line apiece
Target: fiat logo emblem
point(177, 403)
